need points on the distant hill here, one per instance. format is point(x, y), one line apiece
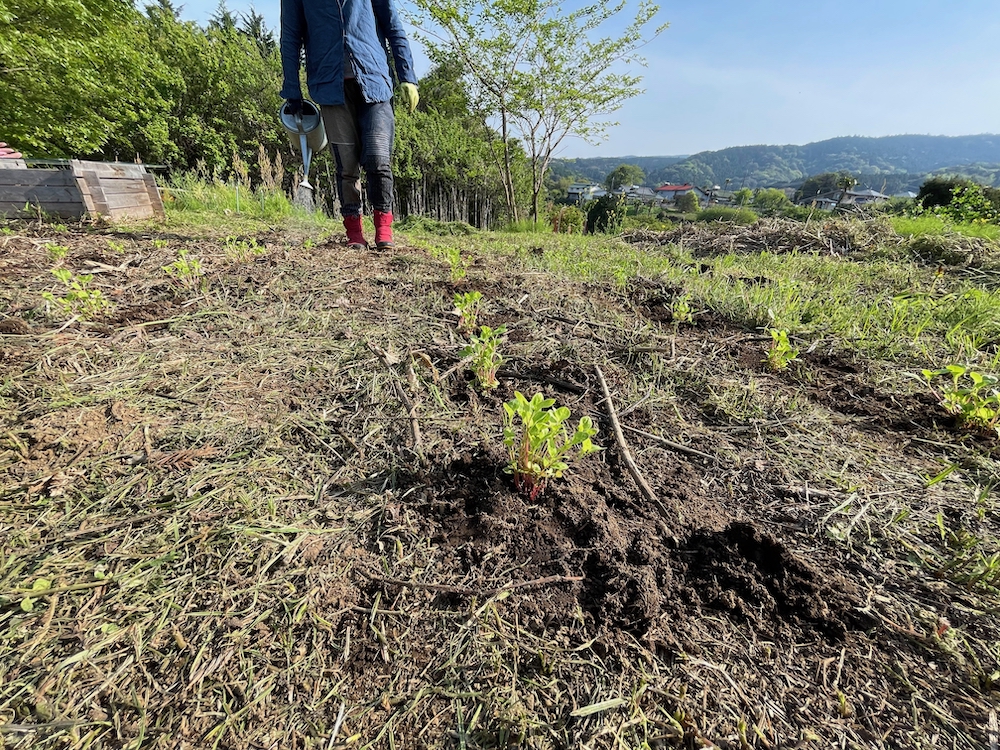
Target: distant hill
point(900, 162)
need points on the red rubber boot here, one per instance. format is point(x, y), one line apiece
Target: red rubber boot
point(383, 230)
point(355, 234)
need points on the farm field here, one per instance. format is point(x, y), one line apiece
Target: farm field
point(252, 497)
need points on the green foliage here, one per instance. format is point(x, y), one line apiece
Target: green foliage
point(467, 309)
point(56, 253)
point(539, 71)
point(539, 443)
point(567, 219)
point(186, 271)
point(743, 216)
point(781, 352)
point(969, 204)
point(422, 224)
point(742, 197)
point(687, 202)
point(624, 175)
point(606, 214)
point(681, 311)
point(972, 396)
point(79, 299)
point(770, 202)
point(484, 352)
point(938, 191)
point(527, 226)
point(819, 184)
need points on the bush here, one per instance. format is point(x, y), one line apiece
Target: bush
point(742, 216)
point(770, 202)
point(606, 214)
point(567, 219)
point(687, 202)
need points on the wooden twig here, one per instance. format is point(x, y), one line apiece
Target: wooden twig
point(469, 591)
point(411, 409)
point(670, 443)
point(633, 468)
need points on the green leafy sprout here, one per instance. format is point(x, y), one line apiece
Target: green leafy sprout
point(972, 396)
point(539, 443)
point(79, 299)
point(486, 359)
point(467, 309)
point(186, 270)
point(781, 351)
point(681, 310)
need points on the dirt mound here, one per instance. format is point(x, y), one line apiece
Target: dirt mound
point(638, 570)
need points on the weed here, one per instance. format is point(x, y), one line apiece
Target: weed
point(242, 250)
point(486, 359)
point(781, 351)
point(540, 447)
point(467, 310)
point(972, 396)
point(186, 270)
point(116, 247)
point(160, 244)
point(681, 310)
point(57, 253)
point(79, 299)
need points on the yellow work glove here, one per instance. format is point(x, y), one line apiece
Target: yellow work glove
point(410, 95)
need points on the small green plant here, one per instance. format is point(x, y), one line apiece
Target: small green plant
point(242, 250)
point(781, 351)
point(186, 270)
point(57, 253)
point(972, 396)
point(539, 442)
point(486, 359)
point(79, 299)
point(116, 247)
point(681, 310)
point(467, 310)
point(459, 265)
point(160, 244)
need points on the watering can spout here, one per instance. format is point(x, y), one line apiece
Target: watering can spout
point(306, 133)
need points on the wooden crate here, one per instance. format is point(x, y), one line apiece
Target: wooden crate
point(112, 189)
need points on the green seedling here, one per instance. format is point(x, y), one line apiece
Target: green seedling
point(486, 359)
point(56, 252)
point(467, 310)
point(80, 299)
point(242, 250)
point(781, 351)
point(186, 270)
point(681, 310)
point(972, 396)
point(539, 442)
point(116, 247)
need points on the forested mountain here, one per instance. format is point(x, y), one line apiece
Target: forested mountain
point(900, 160)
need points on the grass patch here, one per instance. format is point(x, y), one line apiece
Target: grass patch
point(916, 226)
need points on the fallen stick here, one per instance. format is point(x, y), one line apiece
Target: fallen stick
point(411, 409)
point(670, 443)
point(633, 468)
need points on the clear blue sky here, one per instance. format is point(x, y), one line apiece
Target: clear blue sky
point(735, 73)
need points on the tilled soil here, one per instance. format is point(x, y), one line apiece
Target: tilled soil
point(328, 508)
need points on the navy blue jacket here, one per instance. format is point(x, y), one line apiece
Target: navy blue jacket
point(324, 27)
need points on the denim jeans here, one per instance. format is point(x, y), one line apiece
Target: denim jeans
point(361, 136)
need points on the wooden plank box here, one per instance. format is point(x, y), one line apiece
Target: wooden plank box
point(115, 190)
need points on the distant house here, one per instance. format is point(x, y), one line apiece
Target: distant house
point(669, 193)
point(853, 198)
point(581, 192)
point(638, 193)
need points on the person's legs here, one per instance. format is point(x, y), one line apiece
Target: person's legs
point(345, 143)
point(377, 124)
